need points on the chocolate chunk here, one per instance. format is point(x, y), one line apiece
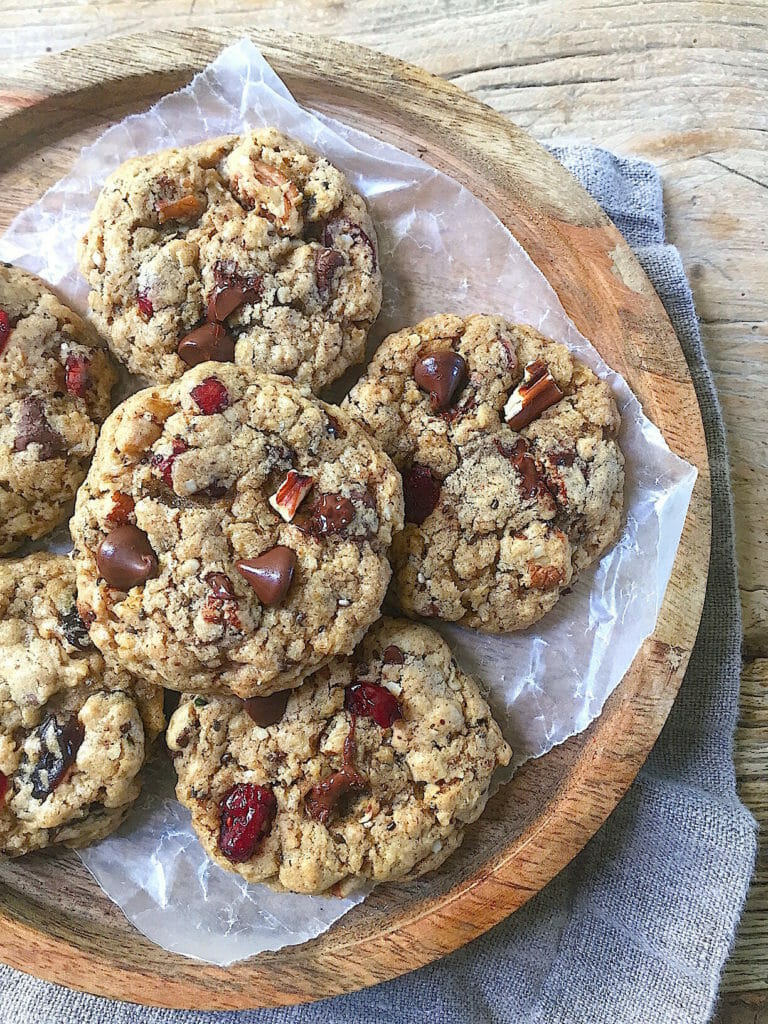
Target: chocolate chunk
point(267, 710)
point(442, 374)
point(59, 744)
point(231, 290)
point(75, 630)
point(421, 493)
point(327, 262)
point(324, 797)
point(328, 514)
point(393, 655)
point(33, 428)
point(533, 484)
point(125, 557)
point(334, 428)
point(221, 586)
point(271, 574)
point(211, 342)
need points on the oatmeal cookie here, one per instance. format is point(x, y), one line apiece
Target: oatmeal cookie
point(233, 532)
point(372, 769)
point(248, 248)
point(74, 734)
point(55, 382)
point(512, 475)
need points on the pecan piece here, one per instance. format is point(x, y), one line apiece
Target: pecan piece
point(536, 392)
point(290, 494)
point(186, 208)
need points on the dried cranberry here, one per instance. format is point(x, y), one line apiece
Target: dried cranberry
point(211, 396)
point(328, 514)
point(369, 700)
point(3, 786)
point(164, 463)
point(76, 375)
point(421, 493)
point(246, 812)
point(122, 509)
point(5, 330)
point(146, 309)
point(75, 630)
point(59, 744)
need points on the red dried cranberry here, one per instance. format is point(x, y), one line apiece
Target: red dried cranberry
point(246, 812)
point(211, 396)
point(76, 375)
point(369, 700)
point(5, 330)
point(3, 786)
point(59, 744)
point(122, 509)
point(421, 493)
point(146, 309)
point(164, 463)
point(328, 514)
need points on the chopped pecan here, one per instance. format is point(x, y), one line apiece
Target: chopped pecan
point(290, 494)
point(536, 392)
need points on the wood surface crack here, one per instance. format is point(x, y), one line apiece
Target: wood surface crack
point(739, 174)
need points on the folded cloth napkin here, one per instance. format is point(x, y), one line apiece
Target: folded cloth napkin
point(637, 928)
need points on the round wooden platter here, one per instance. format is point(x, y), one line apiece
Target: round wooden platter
point(54, 920)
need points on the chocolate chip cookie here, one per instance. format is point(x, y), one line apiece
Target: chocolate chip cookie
point(233, 532)
point(247, 248)
point(74, 734)
point(55, 382)
point(372, 769)
point(512, 475)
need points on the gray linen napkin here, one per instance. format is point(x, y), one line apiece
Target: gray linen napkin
point(637, 928)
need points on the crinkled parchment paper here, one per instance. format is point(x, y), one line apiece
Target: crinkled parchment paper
point(441, 250)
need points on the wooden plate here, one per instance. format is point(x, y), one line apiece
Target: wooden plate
point(55, 922)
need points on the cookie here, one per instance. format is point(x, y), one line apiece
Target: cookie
point(512, 475)
point(249, 248)
point(55, 382)
point(232, 534)
point(74, 734)
point(373, 769)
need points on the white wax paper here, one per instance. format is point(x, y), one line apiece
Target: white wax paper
point(442, 250)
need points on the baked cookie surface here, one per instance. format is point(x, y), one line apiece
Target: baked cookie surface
point(512, 475)
point(74, 734)
point(232, 534)
point(248, 248)
point(371, 770)
point(55, 382)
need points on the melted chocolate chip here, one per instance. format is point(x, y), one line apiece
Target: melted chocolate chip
point(271, 574)
point(221, 586)
point(75, 630)
point(328, 514)
point(442, 374)
point(340, 226)
point(266, 711)
point(209, 343)
point(59, 744)
point(421, 493)
point(327, 262)
point(393, 655)
point(231, 290)
point(533, 484)
point(33, 428)
point(324, 797)
point(125, 557)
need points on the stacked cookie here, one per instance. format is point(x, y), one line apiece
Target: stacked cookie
point(236, 536)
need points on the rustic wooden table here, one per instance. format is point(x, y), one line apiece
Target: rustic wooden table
point(680, 82)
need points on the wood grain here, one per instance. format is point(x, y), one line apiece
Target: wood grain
point(535, 825)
